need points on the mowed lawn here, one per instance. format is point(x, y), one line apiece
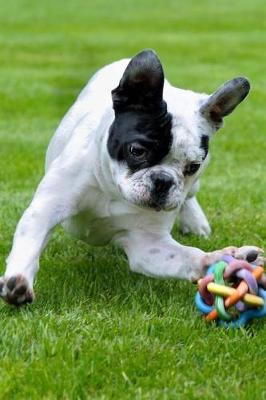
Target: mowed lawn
point(96, 330)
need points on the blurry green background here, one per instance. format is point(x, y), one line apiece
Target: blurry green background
point(96, 330)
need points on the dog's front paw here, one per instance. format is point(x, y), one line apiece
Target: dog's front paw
point(16, 290)
point(251, 254)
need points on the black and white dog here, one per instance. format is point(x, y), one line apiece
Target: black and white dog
point(123, 164)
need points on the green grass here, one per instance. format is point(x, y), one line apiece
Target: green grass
point(97, 331)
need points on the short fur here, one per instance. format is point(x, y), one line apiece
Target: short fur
point(123, 164)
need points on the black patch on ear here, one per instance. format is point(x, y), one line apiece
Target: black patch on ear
point(225, 100)
point(141, 86)
point(204, 145)
point(141, 116)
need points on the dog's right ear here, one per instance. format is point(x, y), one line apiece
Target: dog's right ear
point(225, 100)
point(141, 86)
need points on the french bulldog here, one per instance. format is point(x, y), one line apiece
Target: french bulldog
point(122, 166)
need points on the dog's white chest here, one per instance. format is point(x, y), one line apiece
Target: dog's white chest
point(91, 229)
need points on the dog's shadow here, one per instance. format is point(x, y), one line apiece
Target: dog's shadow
point(77, 277)
point(73, 274)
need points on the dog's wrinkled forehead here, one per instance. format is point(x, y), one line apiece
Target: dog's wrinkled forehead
point(146, 129)
point(141, 134)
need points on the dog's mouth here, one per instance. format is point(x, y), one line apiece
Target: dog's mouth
point(162, 202)
point(145, 196)
point(159, 205)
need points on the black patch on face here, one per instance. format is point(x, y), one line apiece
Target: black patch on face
point(141, 132)
point(204, 145)
point(149, 131)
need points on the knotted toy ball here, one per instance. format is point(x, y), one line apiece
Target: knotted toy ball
point(232, 292)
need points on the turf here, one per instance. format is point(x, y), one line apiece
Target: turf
point(97, 331)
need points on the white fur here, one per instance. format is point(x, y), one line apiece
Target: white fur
point(80, 189)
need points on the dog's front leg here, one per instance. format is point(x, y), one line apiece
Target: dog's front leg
point(159, 255)
point(56, 199)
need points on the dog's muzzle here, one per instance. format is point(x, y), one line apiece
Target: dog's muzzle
point(162, 183)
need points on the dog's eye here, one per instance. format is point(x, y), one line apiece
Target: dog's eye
point(137, 151)
point(191, 169)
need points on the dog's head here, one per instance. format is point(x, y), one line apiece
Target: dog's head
point(159, 147)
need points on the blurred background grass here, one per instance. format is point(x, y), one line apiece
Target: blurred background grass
point(97, 331)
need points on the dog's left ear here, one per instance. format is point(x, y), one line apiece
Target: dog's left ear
point(141, 86)
point(225, 100)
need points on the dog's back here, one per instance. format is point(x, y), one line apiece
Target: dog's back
point(93, 101)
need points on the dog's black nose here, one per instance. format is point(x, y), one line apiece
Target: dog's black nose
point(162, 182)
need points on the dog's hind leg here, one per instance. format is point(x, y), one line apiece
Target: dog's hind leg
point(193, 219)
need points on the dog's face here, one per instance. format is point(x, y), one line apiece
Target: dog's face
point(156, 156)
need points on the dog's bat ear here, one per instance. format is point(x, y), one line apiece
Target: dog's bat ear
point(142, 83)
point(225, 100)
